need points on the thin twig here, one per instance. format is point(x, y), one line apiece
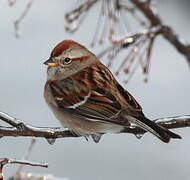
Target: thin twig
point(22, 16)
point(137, 44)
point(4, 161)
point(26, 156)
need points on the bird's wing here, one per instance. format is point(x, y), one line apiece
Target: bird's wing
point(132, 104)
point(99, 106)
point(93, 105)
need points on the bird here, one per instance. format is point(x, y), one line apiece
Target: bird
point(86, 98)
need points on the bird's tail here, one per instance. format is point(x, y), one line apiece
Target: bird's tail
point(162, 133)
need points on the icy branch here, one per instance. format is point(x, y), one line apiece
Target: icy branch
point(4, 161)
point(20, 128)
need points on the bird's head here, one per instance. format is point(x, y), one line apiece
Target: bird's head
point(68, 58)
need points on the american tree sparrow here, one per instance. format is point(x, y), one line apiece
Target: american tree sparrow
point(86, 98)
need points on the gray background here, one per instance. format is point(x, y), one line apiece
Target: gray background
point(22, 77)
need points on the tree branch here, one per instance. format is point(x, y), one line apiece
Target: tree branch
point(4, 161)
point(20, 128)
point(167, 31)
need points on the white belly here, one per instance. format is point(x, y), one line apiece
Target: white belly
point(84, 127)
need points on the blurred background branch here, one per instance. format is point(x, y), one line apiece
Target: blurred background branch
point(114, 26)
point(167, 32)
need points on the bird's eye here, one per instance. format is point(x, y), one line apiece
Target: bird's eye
point(67, 60)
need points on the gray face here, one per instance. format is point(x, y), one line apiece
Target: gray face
point(67, 68)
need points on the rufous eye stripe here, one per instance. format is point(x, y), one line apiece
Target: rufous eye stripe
point(80, 59)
